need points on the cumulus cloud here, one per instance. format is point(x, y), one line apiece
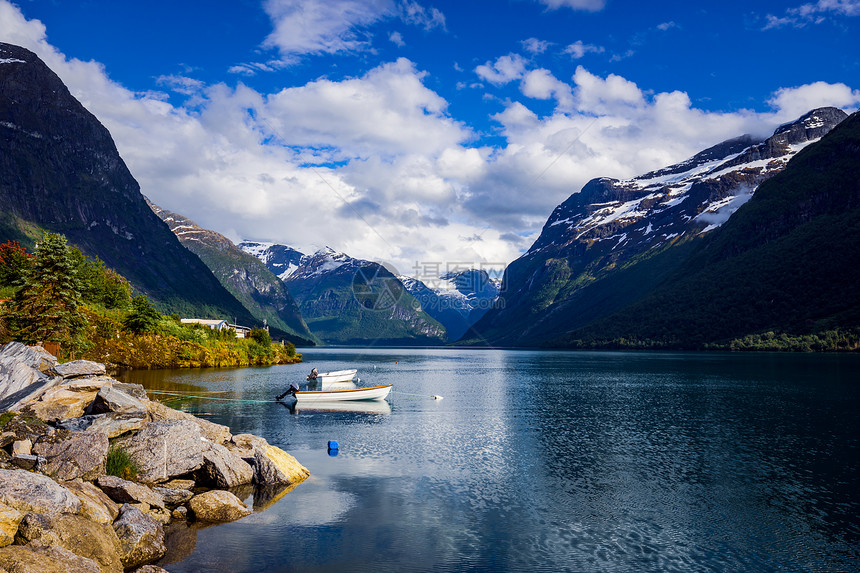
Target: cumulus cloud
point(535, 46)
point(578, 50)
point(813, 13)
point(333, 26)
point(794, 102)
point(504, 70)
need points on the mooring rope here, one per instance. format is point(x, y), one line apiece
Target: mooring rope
point(213, 397)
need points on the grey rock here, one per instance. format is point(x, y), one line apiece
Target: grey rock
point(180, 484)
point(22, 366)
point(274, 466)
point(124, 491)
point(211, 431)
point(95, 504)
point(111, 424)
point(180, 513)
point(141, 537)
point(26, 428)
point(150, 569)
point(28, 461)
point(173, 496)
point(135, 390)
point(223, 469)
point(110, 399)
point(78, 368)
point(166, 449)
point(73, 455)
point(27, 491)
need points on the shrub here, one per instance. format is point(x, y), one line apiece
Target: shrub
point(120, 464)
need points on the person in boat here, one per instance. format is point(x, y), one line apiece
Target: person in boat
point(313, 375)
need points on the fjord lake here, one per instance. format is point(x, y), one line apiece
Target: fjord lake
point(542, 461)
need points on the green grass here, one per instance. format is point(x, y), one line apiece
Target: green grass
point(120, 464)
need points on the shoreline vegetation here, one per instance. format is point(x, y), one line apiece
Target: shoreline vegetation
point(79, 308)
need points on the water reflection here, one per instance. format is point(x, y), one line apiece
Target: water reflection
point(552, 461)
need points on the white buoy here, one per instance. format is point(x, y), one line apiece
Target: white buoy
point(436, 397)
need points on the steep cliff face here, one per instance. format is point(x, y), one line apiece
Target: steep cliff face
point(351, 301)
point(612, 225)
point(60, 170)
point(244, 276)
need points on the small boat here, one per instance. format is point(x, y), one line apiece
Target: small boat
point(332, 377)
point(369, 393)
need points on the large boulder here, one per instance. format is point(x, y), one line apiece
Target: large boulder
point(223, 469)
point(27, 491)
point(77, 369)
point(218, 506)
point(96, 541)
point(59, 403)
point(110, 399)
point(72, 455)
point(213, 432)
point(166, 449)
point(275, 466)
point(17, 558)
point(141, 537)
point(9, 520)
point(110, 424)
point(124, 491)
point(95, 504)
point(22, 366)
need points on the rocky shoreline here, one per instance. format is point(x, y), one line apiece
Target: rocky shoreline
point(60, 510)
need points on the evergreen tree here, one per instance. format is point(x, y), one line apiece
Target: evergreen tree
point(47, 306)
point(143, 317)
point(15, 261)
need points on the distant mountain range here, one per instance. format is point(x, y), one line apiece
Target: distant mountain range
point(608, 257)
point(244, 276)
point(350, 301)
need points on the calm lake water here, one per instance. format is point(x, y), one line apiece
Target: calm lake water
point(546, 461)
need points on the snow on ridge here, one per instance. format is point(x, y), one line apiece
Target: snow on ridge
point(12, 61)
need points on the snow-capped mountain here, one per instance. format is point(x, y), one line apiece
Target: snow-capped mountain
point(281, 260)
point(689, 198)
point(611, 224)
point(455, 299)
point(345, 300)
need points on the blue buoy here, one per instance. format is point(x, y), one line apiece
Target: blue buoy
point(333, 445)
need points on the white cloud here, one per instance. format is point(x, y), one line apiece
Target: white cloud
point(535, 46)
point(588, 5)
point(578, 50)
point(541, 84)
point(333, 26)
point(794, 102)
point(504, 70)
point(813, 13)
point(665, 26)
point(397, 39)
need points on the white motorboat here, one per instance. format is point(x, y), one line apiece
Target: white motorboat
point(369, 393)
point(332, 377)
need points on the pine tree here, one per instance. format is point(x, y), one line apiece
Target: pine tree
point(47, 306)
point(143, 317)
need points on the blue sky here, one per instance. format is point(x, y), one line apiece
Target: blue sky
point(415, 131)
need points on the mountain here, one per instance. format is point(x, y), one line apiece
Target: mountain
point(279, 259)
point(60, 171)
point(352, 301)
point(456, 299)
point(784, 264)
point(614, 241)
point(244, 276)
